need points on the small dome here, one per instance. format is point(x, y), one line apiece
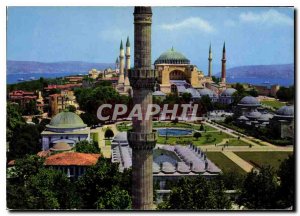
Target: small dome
point(206, 91)
point(228, 92)
point(243, 118)
point(66, 120)
point(286, 111)
point(265, 117)
point(253, 115)
point(172, 57)
point(61, 146)
point(249, 101)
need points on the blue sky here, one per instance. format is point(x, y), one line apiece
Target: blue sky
point(262, 35)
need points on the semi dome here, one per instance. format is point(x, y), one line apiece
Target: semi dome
point(265, 117)
point(254, 115)
point(249, 101)
point(287, 111)
point(66, 120)
point(206, 91)
point(172, 57)
point(228, 92)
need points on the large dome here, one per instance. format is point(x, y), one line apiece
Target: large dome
point(287, 111)
point(66, 120)
point(172, 57)
point(249, 101)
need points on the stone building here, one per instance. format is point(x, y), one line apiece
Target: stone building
point(65, 127)
point(283, 122)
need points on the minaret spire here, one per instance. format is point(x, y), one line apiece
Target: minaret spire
point(210, 61)
point(122, 64)
point(224, 65)
point(127, 65)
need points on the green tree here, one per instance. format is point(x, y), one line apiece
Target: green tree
point(253, 92)
point(35, 120)
point(186, 97)
point(71, 108)
point(201, 127)
point(259, 189)
point(286, 94)
point(206, 103)
point(197, 135)
point(99, 180)
point(31, 186)
point(30, 108)
point(13, 119)
point(87, 147)
point(50, 189)
point(115, 199)
point(25, 141)
point(286, 173)
point(197, 193)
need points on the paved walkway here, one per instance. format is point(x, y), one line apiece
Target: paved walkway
point(247, 139)
point(105, 149)
point(238, 161)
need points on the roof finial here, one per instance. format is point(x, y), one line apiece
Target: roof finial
point(121, 46)
point(224, 47)
point(127, 42)
point(210, 47)
point(172, 48)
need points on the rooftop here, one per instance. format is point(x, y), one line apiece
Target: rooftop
point(172, 57)
point(66, 120)
point(72, 159)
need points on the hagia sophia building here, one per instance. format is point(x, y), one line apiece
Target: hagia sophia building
point(175, 74)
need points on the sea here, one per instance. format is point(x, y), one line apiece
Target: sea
point(14, 78)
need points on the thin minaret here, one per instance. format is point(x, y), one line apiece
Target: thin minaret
point(210, 62)
point(117, 63)
point(224, 65)
point(121, 75)
point(127, 65)
point(142, 138)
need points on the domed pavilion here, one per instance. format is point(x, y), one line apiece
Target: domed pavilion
point(65, 128)
point(283, 122)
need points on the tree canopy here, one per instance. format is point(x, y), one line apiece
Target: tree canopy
point(197, 193)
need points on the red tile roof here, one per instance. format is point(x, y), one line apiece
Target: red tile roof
point(72, 159)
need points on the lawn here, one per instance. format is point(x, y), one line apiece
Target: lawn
point(258, 159)
point(123, 126)
point(224, 163)
point(214, 138)
point(236, 142)
point(273, 103)
point(107, 142)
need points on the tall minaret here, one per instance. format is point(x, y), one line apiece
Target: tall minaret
point(209, 62)
point(127, 65)
point(117, 63)
point(224, 65)
point(142, 138)
point(121, 74)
